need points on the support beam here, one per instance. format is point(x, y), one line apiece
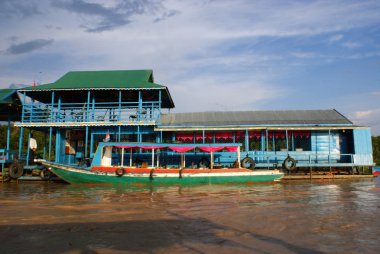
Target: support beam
point(86, 144)
point(50, 141)
point(8, 134)
point(28, 150)
point(122, 157)
point(152, 157)
point(88, 105)
point(246, 147)
point(130, 158)
point(287, 141)
point(20, 142)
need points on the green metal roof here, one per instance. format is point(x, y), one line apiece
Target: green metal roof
point(10, 104)
point(6, 95)
point(127, 79)
point(73, 86)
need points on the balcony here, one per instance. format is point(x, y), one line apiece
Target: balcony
point(93, 114)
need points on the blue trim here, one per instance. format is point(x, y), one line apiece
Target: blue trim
point(50, 140)
point(28, 150)
point(8, 133)
point(20, 142)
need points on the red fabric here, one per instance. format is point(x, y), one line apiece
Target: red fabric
point(181, 149)
point(126, 146)
point(303, 134)
point(185, 136)
point(151, 147)
point(208, 135)
point(277, 134)
point(224, 135)
point(198, 136)
point(239, 136)
point(210, 149)
point(254, 134)
point(231, 148)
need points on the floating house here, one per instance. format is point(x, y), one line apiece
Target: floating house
point(10, 109)
point(83, 108)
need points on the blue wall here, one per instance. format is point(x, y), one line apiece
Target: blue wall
point(323, 142)
point(363, 147)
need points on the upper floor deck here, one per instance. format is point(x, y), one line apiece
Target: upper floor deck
point(95, 98)
point(90, 114)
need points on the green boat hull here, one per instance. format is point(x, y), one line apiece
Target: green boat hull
point(77, 176)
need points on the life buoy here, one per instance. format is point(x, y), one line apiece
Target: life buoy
point(120, 172)
point(289, 163)
point(248, 162)
point(16, 170)
point(204, 163)
point(45, 174)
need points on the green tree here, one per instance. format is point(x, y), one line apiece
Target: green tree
point(376, 149)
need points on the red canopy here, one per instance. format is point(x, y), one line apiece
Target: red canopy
point(182, 149)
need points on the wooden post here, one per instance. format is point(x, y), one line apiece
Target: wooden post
point(130, 158)
point(122, 156)
point(158, 158)
point(152, 157)
point(211, 160)
point(238, 156)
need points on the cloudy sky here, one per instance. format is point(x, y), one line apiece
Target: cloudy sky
point(213, 55)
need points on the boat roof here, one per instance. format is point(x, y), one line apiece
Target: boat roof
point(264, 118)
point(102, 83)
point(10, 103)
point(165, 145)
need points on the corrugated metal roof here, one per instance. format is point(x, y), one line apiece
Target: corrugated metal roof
point(254, 118)
point(127, 79)
point(73, 86)
point(9, 104)
point(6, 95)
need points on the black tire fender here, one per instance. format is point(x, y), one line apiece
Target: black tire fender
point(45, 174)
point(120, 172)
point(290, 163)
point(15, 170)
point(246, 161)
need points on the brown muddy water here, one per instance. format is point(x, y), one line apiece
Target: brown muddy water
point(293, 217)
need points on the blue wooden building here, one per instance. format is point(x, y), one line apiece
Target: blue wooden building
point(83, 108)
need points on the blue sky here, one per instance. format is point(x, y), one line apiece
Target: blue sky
point(213, 55)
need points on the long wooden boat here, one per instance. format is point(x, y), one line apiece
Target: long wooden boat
point(102, 169)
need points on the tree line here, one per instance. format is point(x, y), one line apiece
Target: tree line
point(376, 149)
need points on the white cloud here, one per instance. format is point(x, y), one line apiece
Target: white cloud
point(370, 117)
point(213, 94)
point(336, 38)
point(351, 45)
point(197, 52)
point(363, 114)
point(303, 54)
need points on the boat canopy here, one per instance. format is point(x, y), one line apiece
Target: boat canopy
point(103, 157)
point(231, 147)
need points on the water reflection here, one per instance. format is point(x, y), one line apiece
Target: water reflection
point(296, 217)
